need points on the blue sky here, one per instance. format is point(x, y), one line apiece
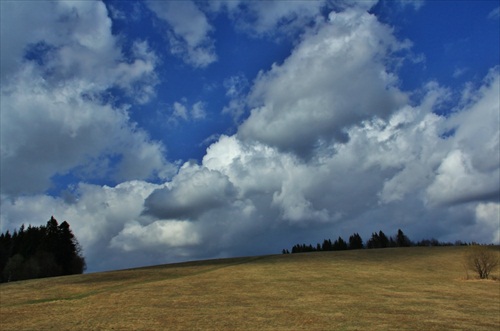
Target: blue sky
point(165, 131)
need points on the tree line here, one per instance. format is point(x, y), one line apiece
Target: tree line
point(377, 240)
point(37, 252)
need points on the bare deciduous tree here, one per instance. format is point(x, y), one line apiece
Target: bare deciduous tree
point(482, 260)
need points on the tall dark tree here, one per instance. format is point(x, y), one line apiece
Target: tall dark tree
point(327, 245)
point(5, 249)
point(339, 245)
point(402, 240)
point(384, 241)
point(355, 241)
point(378, 240)
point(69, 252)
point(374, 241)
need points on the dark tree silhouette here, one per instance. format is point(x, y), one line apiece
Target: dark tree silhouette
point(327, 245)
point(374, 241)
point(384, 241)
point(339, 245)
point(378, 240)
point(355, 241)
point(402, 240)
point(36, 252)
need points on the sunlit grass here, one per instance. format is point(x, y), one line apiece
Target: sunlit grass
point(399, 289)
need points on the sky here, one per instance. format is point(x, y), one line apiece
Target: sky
point(167, 131)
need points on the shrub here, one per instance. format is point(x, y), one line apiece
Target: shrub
point(482, 260)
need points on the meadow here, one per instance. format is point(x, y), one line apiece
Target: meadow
point(417, 288)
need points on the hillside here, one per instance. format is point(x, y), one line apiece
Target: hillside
point(380, 289)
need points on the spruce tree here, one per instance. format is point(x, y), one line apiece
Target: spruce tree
point(374, 241)
point(402, 240)
point(355, 241)
point(339, 245)
point(327, 245)
point(383, 240)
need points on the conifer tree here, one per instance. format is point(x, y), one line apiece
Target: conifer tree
point(44, 251)
point(402, 240)
point(327, 245)
point(339, 245)
point(383, 240)
point(355, 241)
point(374, 241)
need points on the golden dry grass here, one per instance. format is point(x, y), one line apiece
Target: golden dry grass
point(387, 289)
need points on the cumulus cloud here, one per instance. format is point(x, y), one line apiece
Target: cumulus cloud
point(47, 131)
point(471, 170)
point(73, 40)
point(193, 191)
point(456, 181)
point(170, 233)
point(309, 89)
point(96, 215)
point(190, 29)
point(245, 192)
point(383, 174)
point(487, 215)
point(54, 117)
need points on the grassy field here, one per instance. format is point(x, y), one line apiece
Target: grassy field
point(386, 289)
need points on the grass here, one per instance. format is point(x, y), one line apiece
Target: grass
point(387, 289)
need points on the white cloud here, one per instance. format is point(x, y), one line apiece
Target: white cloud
point(488, 220)
point(165, 234)
point(189, 38)
point(16, 34)
point(471, 170)
point(198, 111)
point(261, 18)
point(115, 13)
point(47, 131)
point(305, 102)
point(388, 167)
point(180, 111)
point(77, 42)
point(96, 215)
point(141, 69)
point(235, 85)
point(236, 88)
point(278, 18)
point(457, 181)
point(53, 118)
point(252, 168)
point(192, 192)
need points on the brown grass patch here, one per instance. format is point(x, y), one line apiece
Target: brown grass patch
point(387, 289)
